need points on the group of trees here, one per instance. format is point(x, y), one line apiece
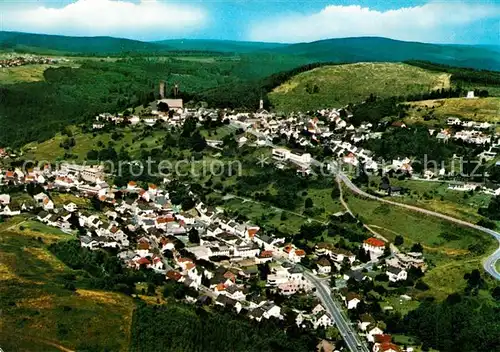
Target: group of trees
point(179, 327)
point(105, 270)
point(493, 210)
point(461, 75)
point(461, 320)
point(416, 142)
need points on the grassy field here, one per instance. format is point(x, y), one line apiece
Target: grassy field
point(343, 84)
point(26, 73)
point(133, 141)
point(437, 197)
point(446, 246)
point(38, 313)
point(484, 109)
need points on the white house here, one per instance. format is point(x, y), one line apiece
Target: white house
point(352, 300)
point(396, 274)
point(324, 266)
point(374, 246)
point(322, 319)
point(365, 321)
point(281, 154)
point(371, 331)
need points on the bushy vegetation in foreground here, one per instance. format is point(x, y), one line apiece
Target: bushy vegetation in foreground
point(176, 327)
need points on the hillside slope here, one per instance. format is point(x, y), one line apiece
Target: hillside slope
point(76, 45)
point(335, 86)
point(39, 311)
point(383, 49)
point(341, 50)
point(438, 110)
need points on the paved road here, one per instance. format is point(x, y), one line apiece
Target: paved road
point(488, 263)
point(348, 332)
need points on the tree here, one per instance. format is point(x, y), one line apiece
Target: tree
point(151, 289)
point(332, 333)
point(399, 240)
point(194, 236)
point(162, 106)
point(308, 203)
point(333, 282)
point(493, 209)
point(335, 193)
point(92, 154)
point(417, 247)
point(496, 293)
point(96, 203)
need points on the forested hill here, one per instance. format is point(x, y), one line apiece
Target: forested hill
point(42, 43)
point(369, 49)
point(347, 50)
point(223, 46)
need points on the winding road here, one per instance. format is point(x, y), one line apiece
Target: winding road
point(488, 263)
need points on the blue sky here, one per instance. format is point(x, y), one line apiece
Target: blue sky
point(463, 22)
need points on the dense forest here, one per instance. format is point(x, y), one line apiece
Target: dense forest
point(177, 327)
point(461, 320)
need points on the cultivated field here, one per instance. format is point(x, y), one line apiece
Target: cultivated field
point(352, 83)
point(38, 312)
point(483, 109)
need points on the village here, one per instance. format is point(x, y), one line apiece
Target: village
point(17, 60)
point(218, 259)
point(205, 250)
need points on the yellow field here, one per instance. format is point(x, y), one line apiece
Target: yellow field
point(484, 109)
point(38, 313)
point(27, 73)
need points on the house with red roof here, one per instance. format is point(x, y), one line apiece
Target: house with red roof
point(294, 254)
point(132, 186)
point(265, 256)
point(173, 275)
point(386, 347)
point(374, 246)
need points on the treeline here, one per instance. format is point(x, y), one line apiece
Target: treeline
point(177, 327)
point(459, 74)
point(247, 94)
point(102, 269)
point(374, 109)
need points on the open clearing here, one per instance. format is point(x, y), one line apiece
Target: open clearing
point(38, 313)
point(342, 84)
point(26, 73)
point(481, 109)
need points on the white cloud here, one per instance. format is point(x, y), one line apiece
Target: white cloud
point(436, 22)
point(147, 19)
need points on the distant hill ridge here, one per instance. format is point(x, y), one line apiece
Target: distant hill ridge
point(359, 49)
